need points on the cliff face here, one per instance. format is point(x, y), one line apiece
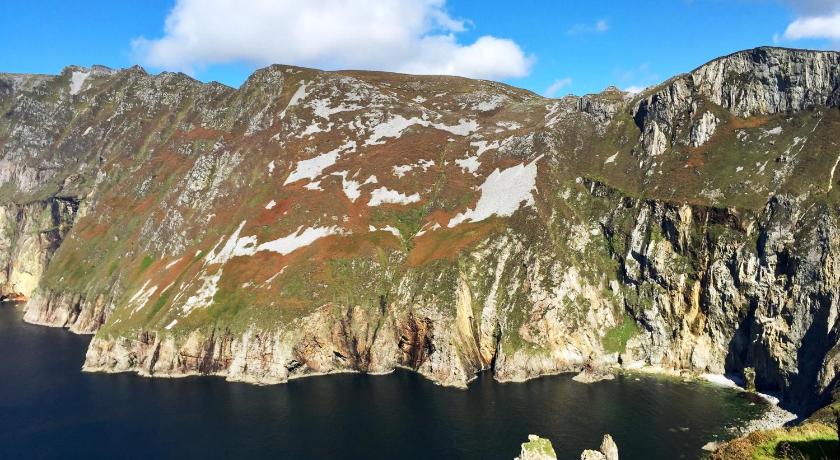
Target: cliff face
point(32, 232)
point(721, 290)
point(313, 222)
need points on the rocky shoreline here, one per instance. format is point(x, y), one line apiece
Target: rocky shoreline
point(773, 417)
point(129, 362)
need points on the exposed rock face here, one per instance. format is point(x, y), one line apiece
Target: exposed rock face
point(703, 130)
point(31, 233)
point(589, 375)
point(715, 304)
point(315, 222)
point(770, 80)
point(74, 311)
point(756, 82)
point(608, 451)
point(537, 448)
point(608, 448)
point(590, 454)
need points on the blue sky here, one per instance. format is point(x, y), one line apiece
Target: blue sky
point(549, 47)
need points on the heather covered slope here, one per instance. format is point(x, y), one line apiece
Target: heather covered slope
point(314, 222)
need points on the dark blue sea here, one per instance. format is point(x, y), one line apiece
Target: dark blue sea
point(50, 409)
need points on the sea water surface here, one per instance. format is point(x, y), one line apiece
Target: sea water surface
point(50, 409)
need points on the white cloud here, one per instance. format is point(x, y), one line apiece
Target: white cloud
point(814, 27)
point(600, 25)
point(416, 36)
point(816, 19)
point(635, 89)
point(554, 88)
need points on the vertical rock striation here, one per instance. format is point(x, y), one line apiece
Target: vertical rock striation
point(31, 233)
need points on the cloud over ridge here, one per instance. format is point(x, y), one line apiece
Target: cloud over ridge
point(413, 36)
point(816, 19)
point(814, 27)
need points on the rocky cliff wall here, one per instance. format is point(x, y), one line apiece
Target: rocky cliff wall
point(31, 233)
point(712, 291)
point(315, 222)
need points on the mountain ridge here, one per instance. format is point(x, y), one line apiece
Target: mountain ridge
point(357, 72)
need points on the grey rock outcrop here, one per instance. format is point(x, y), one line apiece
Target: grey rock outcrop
point(704, 129)
point(537, 448)
point(31, 233)
point(609, 448)
point(755, 82)
point(770, 80)
point(608, 451)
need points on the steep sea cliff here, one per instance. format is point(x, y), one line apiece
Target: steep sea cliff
point(317, 222)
